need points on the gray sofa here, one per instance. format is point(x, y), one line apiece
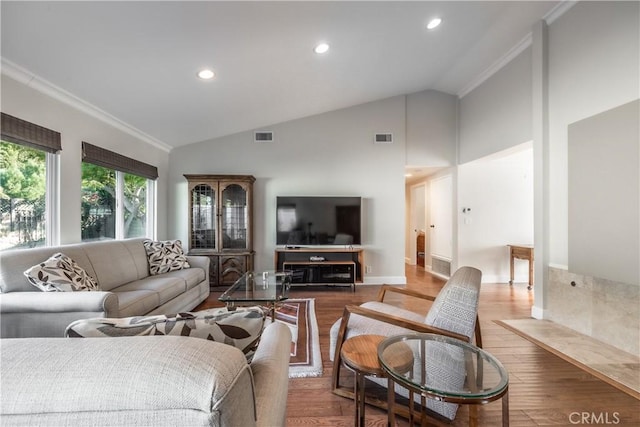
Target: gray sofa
point(144, 381)
point(120, 267)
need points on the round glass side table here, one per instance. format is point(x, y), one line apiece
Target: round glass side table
point(445, 370)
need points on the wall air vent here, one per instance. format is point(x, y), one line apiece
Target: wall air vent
point(383, 138)
point(263, 136)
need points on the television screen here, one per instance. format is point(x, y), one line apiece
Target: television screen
point(315, 220)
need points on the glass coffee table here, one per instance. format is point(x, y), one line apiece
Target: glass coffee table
point(266, 288)
point(444, 370)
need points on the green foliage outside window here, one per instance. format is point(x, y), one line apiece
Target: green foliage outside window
point(98, 217)
point(22, 196)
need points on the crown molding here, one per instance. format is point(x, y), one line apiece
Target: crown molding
point(555, 13)
point(558, 11)
point(496, 66)
point(33, 81)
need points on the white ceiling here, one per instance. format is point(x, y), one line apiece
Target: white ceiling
point(137, 61)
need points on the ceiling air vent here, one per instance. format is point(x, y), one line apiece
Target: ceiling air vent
point(263, 136)
point(383, 138)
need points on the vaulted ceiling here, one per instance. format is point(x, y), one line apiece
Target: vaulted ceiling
point(137, 61)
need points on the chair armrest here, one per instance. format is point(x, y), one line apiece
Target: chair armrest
point(404, 291)
point(60, 302)
point(270, 367)
point(398, 321)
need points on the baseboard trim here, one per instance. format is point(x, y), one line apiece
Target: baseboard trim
point(385, 280)
point(537, 312)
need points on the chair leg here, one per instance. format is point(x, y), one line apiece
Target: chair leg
point(337, 364)
point(337, 359)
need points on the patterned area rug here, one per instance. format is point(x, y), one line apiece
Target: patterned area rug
point(300, 316)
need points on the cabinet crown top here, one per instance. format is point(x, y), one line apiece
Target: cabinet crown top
point(206, 177)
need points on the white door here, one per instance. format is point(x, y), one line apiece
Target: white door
point(417, 219)
point(441, 227)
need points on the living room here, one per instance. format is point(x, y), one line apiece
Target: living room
point(571, 67)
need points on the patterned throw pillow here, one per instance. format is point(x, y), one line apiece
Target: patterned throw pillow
point(165, 256)
point(60, 274)
point(241, 328)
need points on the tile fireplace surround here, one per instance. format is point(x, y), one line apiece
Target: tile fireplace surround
point(602, 309)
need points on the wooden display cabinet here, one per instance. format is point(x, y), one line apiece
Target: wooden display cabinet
point(221, 224)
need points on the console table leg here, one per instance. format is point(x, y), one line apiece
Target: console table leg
point(511, 266)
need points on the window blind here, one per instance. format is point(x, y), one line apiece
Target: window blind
point(29, 134)
point(108, 159)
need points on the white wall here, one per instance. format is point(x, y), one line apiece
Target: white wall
point(431, 129)
point(497, 114)
point(75, 126)
point(327, 154)
point(499, 191)
point(592, 54)
point(594, 66)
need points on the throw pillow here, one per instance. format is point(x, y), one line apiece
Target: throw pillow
point(60, 274)
point(165, 256)
point(241, 328)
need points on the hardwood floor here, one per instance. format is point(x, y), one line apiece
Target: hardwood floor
point(543, 388)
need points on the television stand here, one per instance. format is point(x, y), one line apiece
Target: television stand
point(341, 267)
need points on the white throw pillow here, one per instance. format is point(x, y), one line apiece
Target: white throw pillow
point(60, 274)
point(165, 256)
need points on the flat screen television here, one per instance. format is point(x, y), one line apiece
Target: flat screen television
point(318, 220)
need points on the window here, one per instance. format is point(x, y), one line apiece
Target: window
point(28, 184)
point(118, 196)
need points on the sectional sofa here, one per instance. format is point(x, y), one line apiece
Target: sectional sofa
point(121, 270)
point(49, 380)
point(144, 381)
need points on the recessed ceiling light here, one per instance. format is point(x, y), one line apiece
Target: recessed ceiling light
point(434, 23)
point(206, 74)
point(321, 48)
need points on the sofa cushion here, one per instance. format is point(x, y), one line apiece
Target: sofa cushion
point(117, 262)
point(132, 303)
point(60, 273)
point(192, 276)
point(15, 262)
point(137, 381)
point(165, 256)
point(166, 287)
point(241, 328)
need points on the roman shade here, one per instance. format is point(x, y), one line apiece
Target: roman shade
point(108, 159)
point(29, 134)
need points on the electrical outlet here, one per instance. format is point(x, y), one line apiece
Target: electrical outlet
point(367, 269)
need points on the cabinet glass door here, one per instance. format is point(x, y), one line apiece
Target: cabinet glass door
point(234, 217)
point(203, 217)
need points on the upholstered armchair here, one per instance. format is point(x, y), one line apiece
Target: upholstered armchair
point(453, 312)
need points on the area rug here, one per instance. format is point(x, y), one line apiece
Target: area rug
point(300, 316)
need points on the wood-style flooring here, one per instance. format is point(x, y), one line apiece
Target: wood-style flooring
point(544, 389)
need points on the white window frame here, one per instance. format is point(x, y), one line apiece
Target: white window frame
point(150, 227)
point(52, 199)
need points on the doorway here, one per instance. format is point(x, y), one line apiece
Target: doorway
point(417, 220)
point(419, 201)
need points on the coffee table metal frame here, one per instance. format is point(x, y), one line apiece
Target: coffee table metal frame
point(479, 365)
point(266, 288)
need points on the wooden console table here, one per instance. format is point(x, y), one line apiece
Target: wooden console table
point(522, 252)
